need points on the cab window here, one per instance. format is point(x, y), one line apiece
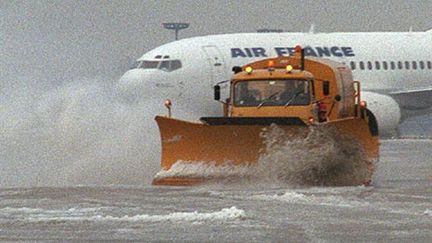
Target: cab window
point(271, 93)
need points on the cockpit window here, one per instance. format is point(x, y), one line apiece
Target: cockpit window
point(175, 64)
point(163, 64)
point(149, 64)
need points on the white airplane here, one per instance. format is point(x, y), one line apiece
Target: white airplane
point(395, 68)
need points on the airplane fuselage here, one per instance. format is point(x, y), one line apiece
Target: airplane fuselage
point(392, 66)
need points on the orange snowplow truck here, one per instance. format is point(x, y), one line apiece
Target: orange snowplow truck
point(292, 92)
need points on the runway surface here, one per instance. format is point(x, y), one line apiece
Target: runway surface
point(397, 207)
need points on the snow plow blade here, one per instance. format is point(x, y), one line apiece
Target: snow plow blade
point(237, 141)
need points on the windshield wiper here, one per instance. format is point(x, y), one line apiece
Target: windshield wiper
point(293, 98)
point(268, 99)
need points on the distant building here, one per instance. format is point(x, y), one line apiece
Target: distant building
point(265, 30)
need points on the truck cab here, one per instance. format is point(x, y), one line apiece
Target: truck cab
point(314, 90)
point(277, 95)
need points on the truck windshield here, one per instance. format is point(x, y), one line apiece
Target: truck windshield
point(271, 92)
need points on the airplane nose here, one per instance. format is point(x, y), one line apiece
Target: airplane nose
point(132, 78)
point(136, 83)
point(145, 84)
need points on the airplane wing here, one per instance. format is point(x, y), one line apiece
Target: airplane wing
point(415, 99)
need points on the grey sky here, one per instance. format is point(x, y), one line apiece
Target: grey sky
point(55, 39)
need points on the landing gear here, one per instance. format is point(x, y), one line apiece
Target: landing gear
point(397, 134)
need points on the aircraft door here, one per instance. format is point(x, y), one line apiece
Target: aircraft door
point(216, 62)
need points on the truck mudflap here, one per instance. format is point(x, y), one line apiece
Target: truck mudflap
point(241, 141)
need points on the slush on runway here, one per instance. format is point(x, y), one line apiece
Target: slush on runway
point(397, 206)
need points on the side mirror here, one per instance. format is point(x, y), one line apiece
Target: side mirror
point(217, 92)
point(338, 98)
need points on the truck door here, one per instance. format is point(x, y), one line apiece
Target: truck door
point(216, 64)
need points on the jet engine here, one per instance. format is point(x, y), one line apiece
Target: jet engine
point(386, 111)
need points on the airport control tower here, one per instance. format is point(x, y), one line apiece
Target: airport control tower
point(176, 27)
